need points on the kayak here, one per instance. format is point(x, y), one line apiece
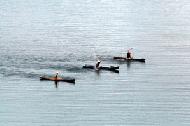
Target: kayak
point(129, 60)
point(110, 68)
point(69, 80)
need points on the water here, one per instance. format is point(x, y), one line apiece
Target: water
point(42, 37)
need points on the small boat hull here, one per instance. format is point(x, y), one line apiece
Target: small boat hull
point(111, 68)
point(69, 80)
point(128, 60)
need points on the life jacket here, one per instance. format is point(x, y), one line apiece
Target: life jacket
point(128, 55)
point(97, 64)
point(56, 75)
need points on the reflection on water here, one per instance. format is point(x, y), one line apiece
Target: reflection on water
point(56, 84)
point(128, 64)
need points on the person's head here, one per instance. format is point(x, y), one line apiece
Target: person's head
point(57, 73)
point(129, 49)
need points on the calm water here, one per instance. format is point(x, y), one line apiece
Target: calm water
point(41, 37)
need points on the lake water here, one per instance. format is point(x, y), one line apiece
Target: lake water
point(41, 37)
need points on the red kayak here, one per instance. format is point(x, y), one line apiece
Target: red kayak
point(69, 80)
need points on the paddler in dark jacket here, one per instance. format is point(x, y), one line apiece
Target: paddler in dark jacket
point(56, 75)
point(98, 64)
point(129, 56)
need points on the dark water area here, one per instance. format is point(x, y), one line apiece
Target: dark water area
point(41, 37)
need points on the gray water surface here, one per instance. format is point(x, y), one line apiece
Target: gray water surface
point(41, 37)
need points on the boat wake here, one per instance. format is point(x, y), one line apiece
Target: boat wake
point(30, 66)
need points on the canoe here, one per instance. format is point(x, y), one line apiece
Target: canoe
point(69, 80)
point(129, 60)
point(110, 68)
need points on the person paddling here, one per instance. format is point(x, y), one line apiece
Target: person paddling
point(56, 75)
point(129, 55)
point(98, 64)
